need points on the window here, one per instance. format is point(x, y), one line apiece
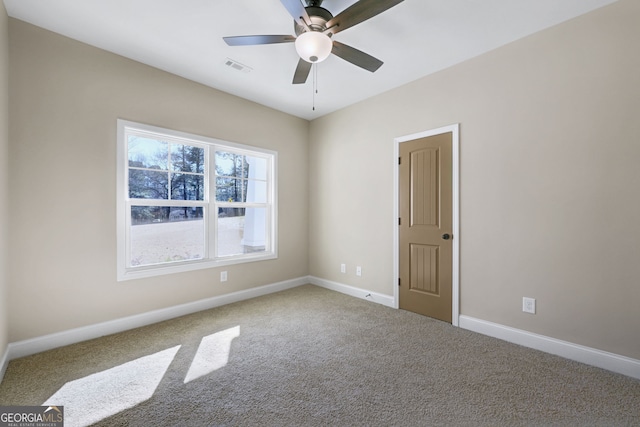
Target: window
point(187, 202)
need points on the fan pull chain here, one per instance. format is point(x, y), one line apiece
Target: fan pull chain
point(315, 84)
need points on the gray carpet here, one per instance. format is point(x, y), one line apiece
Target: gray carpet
point(311, 357)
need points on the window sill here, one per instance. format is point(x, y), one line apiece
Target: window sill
point(161, 270)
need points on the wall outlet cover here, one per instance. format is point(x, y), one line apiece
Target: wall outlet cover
point(529, 305)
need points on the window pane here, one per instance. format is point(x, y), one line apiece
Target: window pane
point(187, 187)
point(147, 153)
point(241, 231)
point(242, 167)
point(166, 234)
point(187, 158)
point(257, 191)
point(257, 168)
point(231, 164)
point(148, 184)
point(230, 190)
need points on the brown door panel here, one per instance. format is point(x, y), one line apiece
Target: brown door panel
point(426, 217)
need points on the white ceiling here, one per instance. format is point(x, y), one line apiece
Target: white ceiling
point(184, 37)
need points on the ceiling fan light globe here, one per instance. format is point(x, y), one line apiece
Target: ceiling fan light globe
point(313, 46)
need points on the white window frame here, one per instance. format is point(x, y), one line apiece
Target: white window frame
point(210, 260)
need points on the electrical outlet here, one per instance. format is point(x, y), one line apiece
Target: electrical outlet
point(529, 305)
point(358, 271)
point(343, 268)
point(223, 276)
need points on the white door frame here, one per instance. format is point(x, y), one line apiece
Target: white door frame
point(455, 274)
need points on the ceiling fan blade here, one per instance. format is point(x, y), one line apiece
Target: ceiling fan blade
point(297, 11)
point(253, 40)
point(356, 57)
point(359, 12)
point(302, 72)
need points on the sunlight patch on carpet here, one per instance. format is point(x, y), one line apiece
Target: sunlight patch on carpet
point(97, 396)
point(212, 354)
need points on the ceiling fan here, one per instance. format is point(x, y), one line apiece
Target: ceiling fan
point(314, 26)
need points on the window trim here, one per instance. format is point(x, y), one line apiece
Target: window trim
point(123, 223)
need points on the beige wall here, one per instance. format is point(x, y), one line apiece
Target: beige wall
point(549, 180)
point(4, 150)
point(65, 99)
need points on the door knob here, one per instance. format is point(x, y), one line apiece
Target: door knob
point(446, 236)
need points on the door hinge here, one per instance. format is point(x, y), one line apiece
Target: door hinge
point(399, 160)
point(399, 221)
point(399, 282)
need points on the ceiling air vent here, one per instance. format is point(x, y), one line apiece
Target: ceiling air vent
point(237, 66)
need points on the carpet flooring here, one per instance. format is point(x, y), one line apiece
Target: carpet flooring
point(312, 357)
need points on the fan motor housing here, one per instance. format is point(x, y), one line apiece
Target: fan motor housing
point(319, 17)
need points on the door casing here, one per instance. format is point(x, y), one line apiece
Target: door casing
point(455, 274)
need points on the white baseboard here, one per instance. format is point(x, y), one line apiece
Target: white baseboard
point(72, 336)
point(591, 356)
point(602, 359)
point(352, 291)
point(4, 362)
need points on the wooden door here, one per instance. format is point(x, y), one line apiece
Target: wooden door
point(426, 249)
